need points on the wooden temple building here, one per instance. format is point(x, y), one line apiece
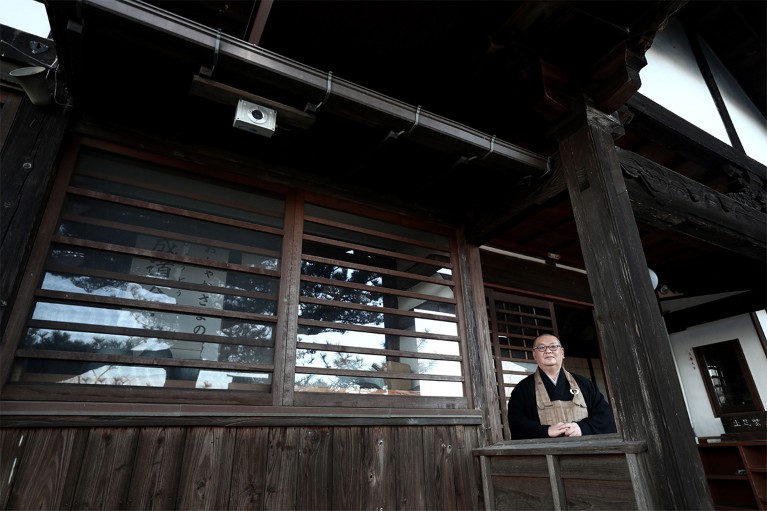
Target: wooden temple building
point(288, 254)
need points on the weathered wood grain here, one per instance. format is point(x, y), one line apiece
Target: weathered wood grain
point(515, 493)
point(438, 461)
point(156, 469)
point(42, 474)
point(207, 469)
point(281, 468)
point(379, 469)
point(253, 468)
point(608, 467)
point(347, 453)
point(411, 479)
point(106, 468)
point(247, 487)
point(315, 469)
point(632, 334)
point(596, 494)
point(12, 443)
point(465, 468)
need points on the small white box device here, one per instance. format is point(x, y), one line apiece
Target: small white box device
point(255, 118)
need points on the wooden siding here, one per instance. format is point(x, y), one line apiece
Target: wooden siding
point(216, 468)
point(565, 474)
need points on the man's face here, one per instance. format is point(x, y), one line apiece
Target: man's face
point(549, 358)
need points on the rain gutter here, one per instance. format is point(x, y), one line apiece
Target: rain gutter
point(331, 93)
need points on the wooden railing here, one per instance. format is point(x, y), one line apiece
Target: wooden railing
point(562, 473)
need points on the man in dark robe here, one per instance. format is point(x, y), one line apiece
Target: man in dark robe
point(553, 402)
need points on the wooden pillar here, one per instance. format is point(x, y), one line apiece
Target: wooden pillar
point(644, 385)
point(28, 163)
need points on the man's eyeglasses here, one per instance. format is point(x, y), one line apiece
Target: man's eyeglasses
point(542, 348)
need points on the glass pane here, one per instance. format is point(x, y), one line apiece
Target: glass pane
point(157, 321)
point(347, 316)
point(726, 371)
point(513, 378)
point(431, 238)
point(508, 365)
point(352, 339)
point(118, 224)
point(375, 363)
point(359, 273)
point(157, 278)
point(111, 173)
point(151, 347)
point(381, 386)
point(200, 297)
point(95, 373)
point(334, 271)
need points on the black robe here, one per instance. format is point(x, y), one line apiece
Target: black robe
point(523, 412)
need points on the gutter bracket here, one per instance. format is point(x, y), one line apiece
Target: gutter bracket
point(208, 71)
point(313, 107)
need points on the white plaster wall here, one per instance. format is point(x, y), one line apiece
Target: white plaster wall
point(682, 343)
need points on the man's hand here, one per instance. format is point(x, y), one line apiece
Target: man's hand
point(559, 429)
point(573, 429)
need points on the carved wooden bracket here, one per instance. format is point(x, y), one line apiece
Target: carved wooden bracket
point(664, 198)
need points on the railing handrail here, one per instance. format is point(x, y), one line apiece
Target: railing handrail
point(599, 444)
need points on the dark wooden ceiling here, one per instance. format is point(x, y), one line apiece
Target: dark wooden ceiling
point(488, 65)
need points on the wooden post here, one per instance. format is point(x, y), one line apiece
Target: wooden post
point(644, 385)
point(28, 163)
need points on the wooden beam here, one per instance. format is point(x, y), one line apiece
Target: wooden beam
point(226, 95)
point(667, 200)
point(335, 95)
point(668, 129)
point(638, 360)
point(29, 160)
point(491, 218)
point(256, 30)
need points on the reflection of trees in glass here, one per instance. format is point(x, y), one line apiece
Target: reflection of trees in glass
point(267, 263)
point(251, 305)
point(101, 376)
point(336, 360)
point(257, 283)
point(340, 294)
point(62, 341)
point(312, 380)
point(247, 354)
point(53, 340)
point(91, 284)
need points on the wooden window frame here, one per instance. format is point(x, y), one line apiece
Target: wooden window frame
point(493, 296)
point(164, 402)
point(737, 350)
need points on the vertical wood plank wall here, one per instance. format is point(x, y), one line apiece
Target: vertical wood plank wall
point(216, 468)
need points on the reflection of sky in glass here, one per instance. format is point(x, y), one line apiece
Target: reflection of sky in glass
point(92, 315)
point(156, 377)
point(508, 365)
point(116, 374)
point(369, 362)
point(121, 374)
